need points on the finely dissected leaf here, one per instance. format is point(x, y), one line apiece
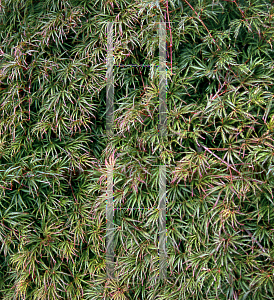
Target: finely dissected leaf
point(55, 156)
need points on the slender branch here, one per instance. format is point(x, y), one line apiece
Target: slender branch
point(170, 46)
point(202, 23)
point(219, 158)
point(250, 234)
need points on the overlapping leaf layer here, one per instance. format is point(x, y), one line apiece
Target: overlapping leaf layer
point(54, 155)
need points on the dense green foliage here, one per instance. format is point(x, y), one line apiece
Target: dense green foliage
point(54, 155)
